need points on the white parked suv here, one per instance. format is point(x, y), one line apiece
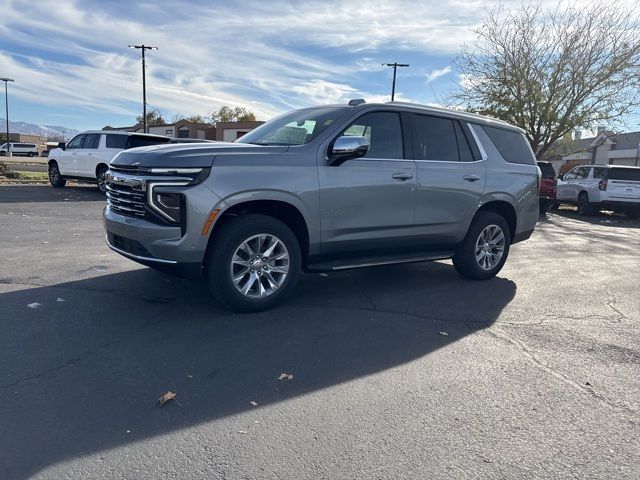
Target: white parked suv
point(28, 149)
point(598, 187)
point(86, 156)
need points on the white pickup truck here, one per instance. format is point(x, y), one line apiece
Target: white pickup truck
point(86, 156)
point(600, 187)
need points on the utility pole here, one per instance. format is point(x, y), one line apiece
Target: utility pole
point(6, 107)
point(144, 47)
point(395, 66)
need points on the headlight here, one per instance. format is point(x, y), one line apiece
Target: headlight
point(170, 205)
point(194, 175)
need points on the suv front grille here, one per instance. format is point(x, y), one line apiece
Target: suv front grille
point(125, 200)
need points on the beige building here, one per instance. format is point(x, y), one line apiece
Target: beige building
point(223, 131)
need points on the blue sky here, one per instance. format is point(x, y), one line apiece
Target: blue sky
point(72, 66)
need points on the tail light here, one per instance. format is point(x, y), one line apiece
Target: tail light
point(602, 184)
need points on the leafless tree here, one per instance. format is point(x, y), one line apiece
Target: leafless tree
point(553, 71)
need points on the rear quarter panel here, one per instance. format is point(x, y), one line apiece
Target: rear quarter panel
point(514, 183)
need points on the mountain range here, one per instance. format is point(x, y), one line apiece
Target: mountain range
point(47, 131)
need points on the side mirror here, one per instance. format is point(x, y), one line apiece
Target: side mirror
point(560, 177)
point(348, 147)
point(62, 145)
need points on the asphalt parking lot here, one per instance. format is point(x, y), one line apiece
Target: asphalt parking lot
point(398, 372)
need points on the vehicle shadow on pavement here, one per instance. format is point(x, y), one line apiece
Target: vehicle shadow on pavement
point(46, 193)
point(609, 219)
point(83, 370)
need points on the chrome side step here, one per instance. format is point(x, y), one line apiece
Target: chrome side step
point(363, 262)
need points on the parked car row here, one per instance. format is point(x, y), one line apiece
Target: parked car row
point(86, 156)
point(592, 188)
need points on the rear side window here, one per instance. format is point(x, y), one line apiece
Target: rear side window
point(116, 141)
point(434, 138)
point(91, 140)
point(600, 173)
point(547, 170)
point(512, 145)
point(627, 174)
point(142, 141)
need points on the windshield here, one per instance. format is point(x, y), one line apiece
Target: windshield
point(294, 128)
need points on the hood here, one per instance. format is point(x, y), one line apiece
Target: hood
point(186, 154)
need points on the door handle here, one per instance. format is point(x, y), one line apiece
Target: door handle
point(471, 178)
point(402, 176)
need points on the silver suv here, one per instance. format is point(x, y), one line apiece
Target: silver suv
point(326, 189)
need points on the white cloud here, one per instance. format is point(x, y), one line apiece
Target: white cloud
point(261, 55)
point(435, 74)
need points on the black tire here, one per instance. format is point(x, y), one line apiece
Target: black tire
point(584, 207)
point(57, 180)
point(545, 206)
point(101, 176)
point(218, 266)
point(632, 214)
point(464, 259)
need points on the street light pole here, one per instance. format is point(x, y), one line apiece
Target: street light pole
point(144, 47)
point(395, 66)
point(6, 107)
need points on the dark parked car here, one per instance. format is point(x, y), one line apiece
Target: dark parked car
point(548, 186)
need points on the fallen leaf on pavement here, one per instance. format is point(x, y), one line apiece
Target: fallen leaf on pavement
point(243, 432)
point(60, 299)
point(285, 376)
point(33, 305)
point(445, 334)
point(254, 404)
point(166, 397)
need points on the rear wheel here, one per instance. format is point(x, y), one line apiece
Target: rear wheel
point(584, 207)
point(253, 264)
point(484, 250)
point(55, 178)
point(101, 175)
point(632, 213)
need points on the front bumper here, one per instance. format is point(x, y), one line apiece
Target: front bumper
point(175, 248)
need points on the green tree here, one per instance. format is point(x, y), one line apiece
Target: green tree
point(154, 117)
point(552, 72)
point(231, 114)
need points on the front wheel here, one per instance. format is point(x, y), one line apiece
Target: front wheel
point(484, 250)
point(101, 175)
point(55, 178)
point(253, 263)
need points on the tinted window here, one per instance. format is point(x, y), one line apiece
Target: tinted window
point(142, 141)
point(434, 139)
point(383, 131)
point(600, 173)
point(463, 144)
point(547, 170)
point(75, 142)
point(116, 141)
point(512, 145)
point(91, 140)
point(632, 174)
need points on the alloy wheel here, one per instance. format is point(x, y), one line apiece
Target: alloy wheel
point(490, 247)
point(259, 266)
